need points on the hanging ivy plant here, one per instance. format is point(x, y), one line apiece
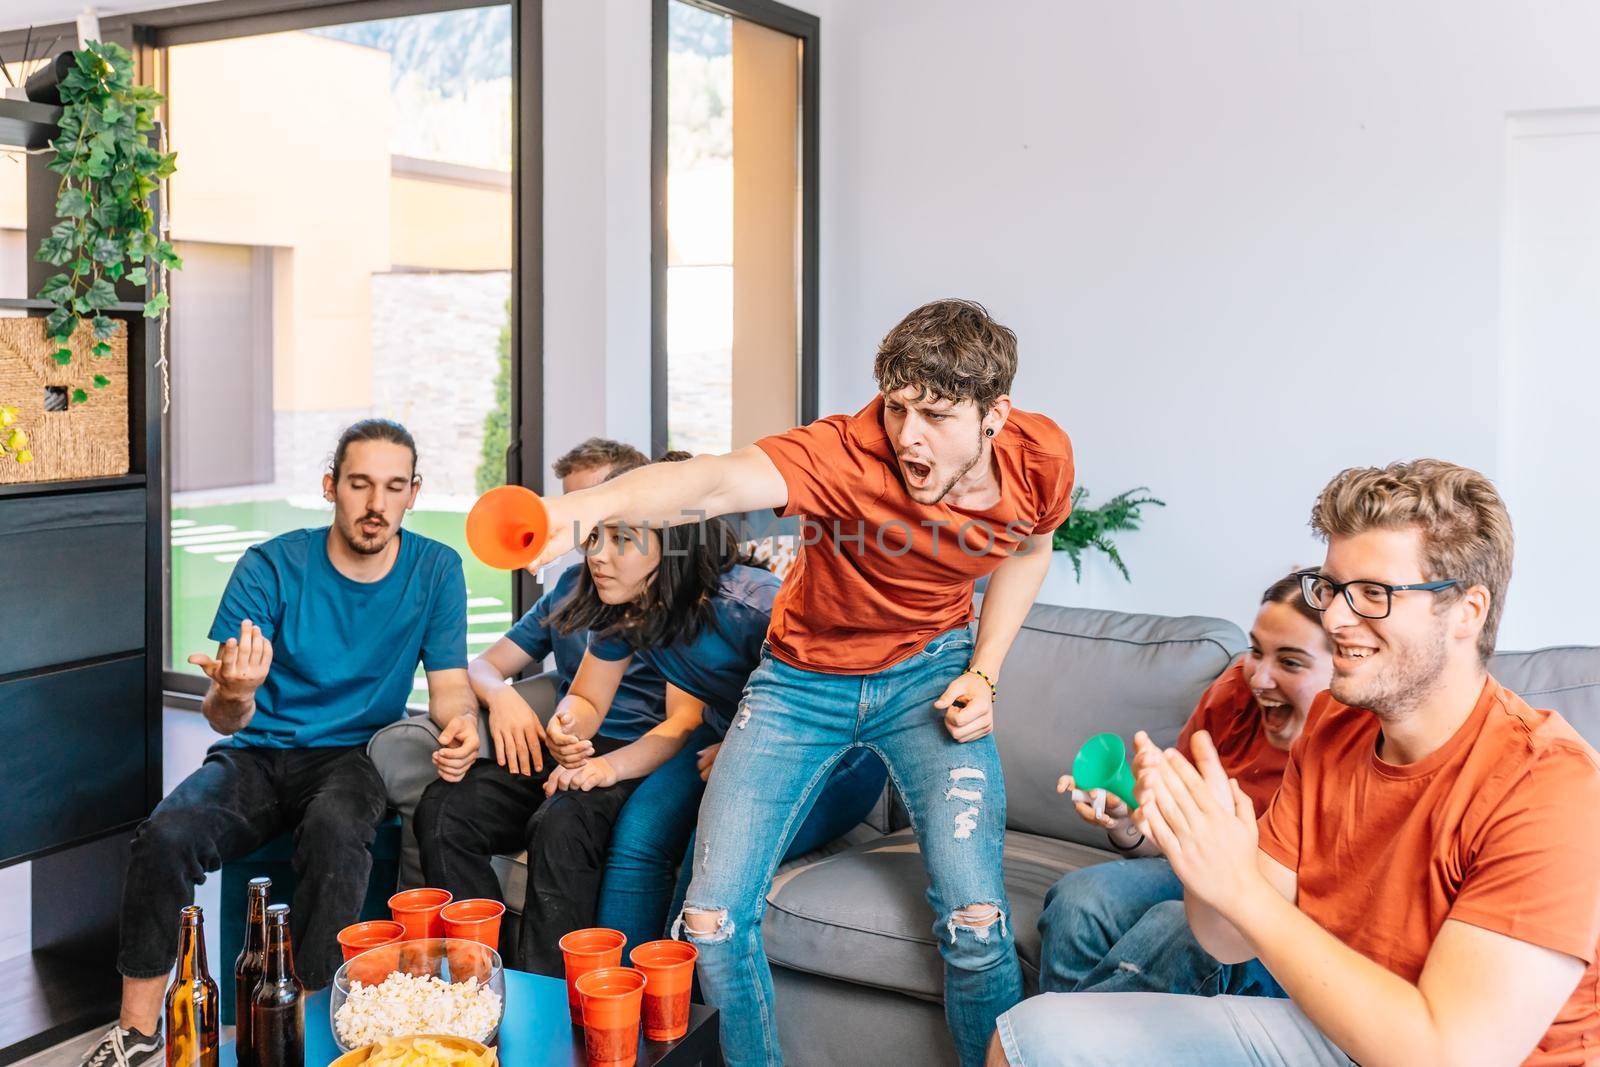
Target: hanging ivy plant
point(106, 230)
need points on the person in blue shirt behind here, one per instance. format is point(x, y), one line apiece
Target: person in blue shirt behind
point(320, 632)
point(681, 602)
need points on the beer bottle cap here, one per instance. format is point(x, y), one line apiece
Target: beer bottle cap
point(278, 913)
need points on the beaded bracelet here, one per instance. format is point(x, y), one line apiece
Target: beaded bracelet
point(994, 693)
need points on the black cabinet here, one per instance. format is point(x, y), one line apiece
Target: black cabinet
point(73, 571)
point(76, 762)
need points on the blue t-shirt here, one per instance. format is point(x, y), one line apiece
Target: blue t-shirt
point(641, 700)
point(715, 666)
point(344, 652)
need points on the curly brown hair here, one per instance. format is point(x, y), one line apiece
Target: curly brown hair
point(598, 452)
point(1466, 530)
point(950, 350)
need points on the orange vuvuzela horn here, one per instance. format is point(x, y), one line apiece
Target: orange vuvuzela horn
point(508, 527)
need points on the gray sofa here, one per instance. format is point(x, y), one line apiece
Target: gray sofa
point(849, 934)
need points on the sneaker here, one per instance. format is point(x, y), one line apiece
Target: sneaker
point(124, 1048)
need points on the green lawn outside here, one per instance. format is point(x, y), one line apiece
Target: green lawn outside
point(201, 565)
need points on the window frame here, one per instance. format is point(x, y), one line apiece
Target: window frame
point(807, 28)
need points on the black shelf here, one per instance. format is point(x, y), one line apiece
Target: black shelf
point(89, 554)
point(25, 124)
point(77, 485)
point(12, 303)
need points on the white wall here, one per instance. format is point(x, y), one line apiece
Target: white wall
point(1550, 376)
point(1245, 244)
point(596, 223)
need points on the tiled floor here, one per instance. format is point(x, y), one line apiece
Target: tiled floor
point(185, 737)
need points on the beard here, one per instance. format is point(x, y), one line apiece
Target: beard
point(967, 466)
point(362, 544)
point(1414, 674)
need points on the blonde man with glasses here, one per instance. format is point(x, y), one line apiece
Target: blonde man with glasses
point(1422, 885)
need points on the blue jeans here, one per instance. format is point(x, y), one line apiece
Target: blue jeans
point(1120, 928)
point(647, 869)
point(792, 727)
point(1138, 1029)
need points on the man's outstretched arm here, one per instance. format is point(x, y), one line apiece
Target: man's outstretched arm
point(666, 494)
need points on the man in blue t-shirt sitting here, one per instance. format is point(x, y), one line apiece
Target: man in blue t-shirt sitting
point(320, 635)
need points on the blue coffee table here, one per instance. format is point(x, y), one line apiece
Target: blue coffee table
point(537, 1031)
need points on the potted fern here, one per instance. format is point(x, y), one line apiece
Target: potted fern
point(1089, 529)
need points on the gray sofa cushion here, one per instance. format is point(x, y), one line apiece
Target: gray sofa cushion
point(1076, 672)
point(821, 1021)
point(862, 916)
point(1564, 678)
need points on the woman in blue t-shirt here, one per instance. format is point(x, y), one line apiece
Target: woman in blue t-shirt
point(680, 601)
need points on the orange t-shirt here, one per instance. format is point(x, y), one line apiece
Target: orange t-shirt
point(878, 574)
point(1480, 831)
point(1228, 711)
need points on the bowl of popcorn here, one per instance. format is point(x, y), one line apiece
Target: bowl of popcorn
point(433, 986)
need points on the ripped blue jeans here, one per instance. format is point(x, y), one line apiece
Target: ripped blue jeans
point(792, 726)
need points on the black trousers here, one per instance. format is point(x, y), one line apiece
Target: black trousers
point(461, 826)
point(239, 799)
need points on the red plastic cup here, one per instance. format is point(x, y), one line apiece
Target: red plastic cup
point(356, 939)
point(611, 1000)
point(473, 920)
point(583, 951)
point(469, 959)
point(375, 964)
point(418, 911)
point(668, 969)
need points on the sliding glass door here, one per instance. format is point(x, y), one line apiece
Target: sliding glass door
point(344, 205)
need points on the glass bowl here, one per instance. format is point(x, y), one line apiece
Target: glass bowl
point(398, 989)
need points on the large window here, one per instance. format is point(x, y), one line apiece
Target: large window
point(343, 203)
point(735, 256)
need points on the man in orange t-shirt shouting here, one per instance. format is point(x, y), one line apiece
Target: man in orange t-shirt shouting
point(935, 483)
point(1420, 885)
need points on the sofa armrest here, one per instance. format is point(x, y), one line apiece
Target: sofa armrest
point(403, 751)
point(403, 754)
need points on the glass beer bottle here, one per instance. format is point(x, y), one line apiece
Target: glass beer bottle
point(247, 969)
point(192, 1000)
point(278, 1011)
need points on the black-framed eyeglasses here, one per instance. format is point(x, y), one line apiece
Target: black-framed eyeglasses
point(1368, 599)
